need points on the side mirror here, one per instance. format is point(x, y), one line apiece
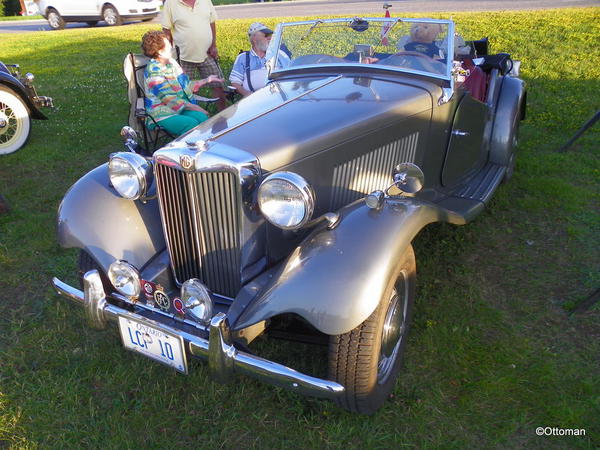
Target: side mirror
point(129, 136)
point(408, 178)
point(128, 133)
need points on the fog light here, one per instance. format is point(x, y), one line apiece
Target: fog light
point(196, 300)
point(125, 278)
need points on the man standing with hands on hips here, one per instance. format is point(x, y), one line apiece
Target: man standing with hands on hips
point(191, 25)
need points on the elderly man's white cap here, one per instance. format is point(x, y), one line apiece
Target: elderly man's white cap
point(257, 26)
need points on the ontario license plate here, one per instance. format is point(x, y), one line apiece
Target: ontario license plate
point(161, 346)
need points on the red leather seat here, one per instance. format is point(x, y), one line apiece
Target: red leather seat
point(476, 82)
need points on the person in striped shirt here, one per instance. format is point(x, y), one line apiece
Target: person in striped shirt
point(169, 92)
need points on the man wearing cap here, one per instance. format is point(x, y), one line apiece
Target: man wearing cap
point(190, 24)
point(249, 72)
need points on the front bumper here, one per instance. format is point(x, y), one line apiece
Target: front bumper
point(223, 358)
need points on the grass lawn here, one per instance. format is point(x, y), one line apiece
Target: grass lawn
point(35, 17)
point(494, 352)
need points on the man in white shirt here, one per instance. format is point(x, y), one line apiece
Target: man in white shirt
point(190, 24)
point(249, 72)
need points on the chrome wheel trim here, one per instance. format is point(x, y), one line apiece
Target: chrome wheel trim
point(394, 329)
point(110, 16)
point(54, 20)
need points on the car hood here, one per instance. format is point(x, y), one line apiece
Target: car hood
point(289, 120)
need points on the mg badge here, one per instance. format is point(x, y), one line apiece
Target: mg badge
point(162, 300)
point(186, 161)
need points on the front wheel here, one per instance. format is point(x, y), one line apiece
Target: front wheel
point(111, 16)
point(15, 123)
point(366, 360)
point(55, 20)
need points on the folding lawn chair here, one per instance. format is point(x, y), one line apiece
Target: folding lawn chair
point(133, 69)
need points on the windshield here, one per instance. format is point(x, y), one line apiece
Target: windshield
point(407, 44)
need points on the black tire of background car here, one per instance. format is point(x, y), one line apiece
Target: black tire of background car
point(55, 21)
point(355, 357)
point(111, 16)
point(92, 23)
point(86, 263)
point(15, 110)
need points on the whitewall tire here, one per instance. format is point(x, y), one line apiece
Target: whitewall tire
point(15, 123)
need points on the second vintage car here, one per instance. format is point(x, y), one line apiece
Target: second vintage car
point(19, 103)
point(296, 207)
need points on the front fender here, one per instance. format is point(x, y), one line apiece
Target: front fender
point(16, 86)
point(335, 278)
point(93, 217)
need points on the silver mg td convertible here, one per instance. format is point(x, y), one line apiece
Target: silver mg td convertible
point(296, 207)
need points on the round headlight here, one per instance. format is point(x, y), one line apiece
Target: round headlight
point(130, 174)
point(196, 300)
point(125, 278)
point(286, 200)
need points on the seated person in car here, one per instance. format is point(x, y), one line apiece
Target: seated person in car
point(169, 92)
point(249, 71)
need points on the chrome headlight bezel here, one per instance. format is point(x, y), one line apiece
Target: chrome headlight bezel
point(140, 172)
point(121, 268)
point(303, 191)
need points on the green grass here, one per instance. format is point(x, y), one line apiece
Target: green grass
point(493, 353)
point(35, 17)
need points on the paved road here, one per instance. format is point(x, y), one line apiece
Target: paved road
point(342, 7)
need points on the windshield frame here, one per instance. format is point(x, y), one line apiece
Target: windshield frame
point(273, 50)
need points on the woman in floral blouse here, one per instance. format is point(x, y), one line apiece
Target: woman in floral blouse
point(168, 90)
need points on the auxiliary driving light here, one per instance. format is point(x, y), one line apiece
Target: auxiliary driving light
point(196, 300)
point(125, 278)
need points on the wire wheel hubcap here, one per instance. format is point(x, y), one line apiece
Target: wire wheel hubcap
point(9, 124)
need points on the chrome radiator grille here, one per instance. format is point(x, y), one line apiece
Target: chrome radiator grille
point(200, 213)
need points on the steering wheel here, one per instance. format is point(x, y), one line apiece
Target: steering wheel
point(409, 59)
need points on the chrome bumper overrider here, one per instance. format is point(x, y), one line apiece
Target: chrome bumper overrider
point(223, 358)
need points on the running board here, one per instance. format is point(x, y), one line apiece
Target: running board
point(469, 200)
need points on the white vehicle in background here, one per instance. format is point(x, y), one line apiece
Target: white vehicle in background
point(113, 12)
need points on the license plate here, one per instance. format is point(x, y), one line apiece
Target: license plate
point(161, 346)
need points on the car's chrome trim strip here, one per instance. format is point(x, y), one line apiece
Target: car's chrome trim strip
point(223, 358)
